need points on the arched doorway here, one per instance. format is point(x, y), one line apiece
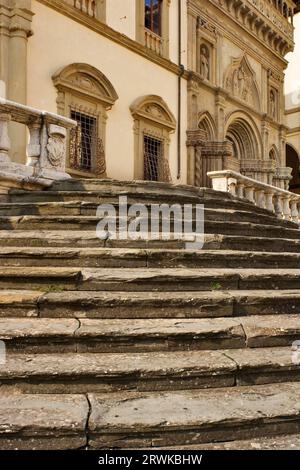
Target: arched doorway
point(243, 139)
point(293, 161)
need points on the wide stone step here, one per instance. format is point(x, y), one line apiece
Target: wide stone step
point(74, 210)
point(88, 223)
point(153, 371)
point(113, 257)
point(89, 239)
point(50, 335)
point(82, 239)
point(193, 417)
point(149, 279)
point(43, 422)
point(211, 199)
point(117, 305)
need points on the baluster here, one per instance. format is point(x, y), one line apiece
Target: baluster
point(269, 201)
point(294, 211)
point(249, 193)
point(260, 198)
point(286, 208)
point(279, 206)
point(240, 190)
point(34, 146)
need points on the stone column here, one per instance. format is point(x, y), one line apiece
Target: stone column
point(19, 31)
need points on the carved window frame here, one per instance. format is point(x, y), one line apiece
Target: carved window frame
point(83, 88)
point(207, 36)
point(152, 117)
point(165, 28)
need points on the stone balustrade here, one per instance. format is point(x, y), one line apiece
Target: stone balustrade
point(153, 41)
point(46, 150)
point(284, 204)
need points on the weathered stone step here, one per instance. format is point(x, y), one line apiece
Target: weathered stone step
point(114, 257)
point(84, 239)
point(75, 209)
point(50, 335)
point(153, 371)
point(193, 417)
point(103, 196)
point(117, 305)
point(246, 243)
point(89, 223)
point(149, 279)
point(88, 239)
point(43, 422)
point(211, 199)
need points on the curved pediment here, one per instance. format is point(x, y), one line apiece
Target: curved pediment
point(153, 108)
point(85, 80)
point(240, 81)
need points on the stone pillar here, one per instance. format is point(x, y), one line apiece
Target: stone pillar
point(19, 31)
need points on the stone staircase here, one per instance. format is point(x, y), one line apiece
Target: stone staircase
point(143, 344)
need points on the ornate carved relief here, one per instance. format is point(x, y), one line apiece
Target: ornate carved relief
point(240, 81)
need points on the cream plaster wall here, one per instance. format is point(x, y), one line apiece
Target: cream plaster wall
point(292, 90)
point(59, 41)
point(120, 15)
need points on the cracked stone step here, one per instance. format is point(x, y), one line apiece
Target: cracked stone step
point(82, 373)
point(88, 239)
point(120, 335)
point(114, 257)
point(68, 214)
point(82, 239)
point(193, 417)
point(149, 279)
point(271, 330)
point(153, 371)
point(95, 304)
point(117, 335)
point(43, 335)
point(87, 223)
point(43, 422)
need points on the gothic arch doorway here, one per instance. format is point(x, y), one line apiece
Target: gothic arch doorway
point(293, 161)
point(243, 139)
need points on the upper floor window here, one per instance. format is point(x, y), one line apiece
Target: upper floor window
point(153, 16)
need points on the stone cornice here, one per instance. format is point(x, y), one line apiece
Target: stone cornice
point(230, 32)
point(109, 33)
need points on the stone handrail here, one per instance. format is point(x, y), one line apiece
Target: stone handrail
point(47, 147)
point(284, 204)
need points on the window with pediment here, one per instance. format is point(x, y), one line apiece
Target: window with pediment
point(85, 95)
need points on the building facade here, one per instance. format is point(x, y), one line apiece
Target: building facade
point(292, 88)
point(162, 90)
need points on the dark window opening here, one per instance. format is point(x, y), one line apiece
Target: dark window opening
point(153, 153)
point(153, 15)
point(85, 144)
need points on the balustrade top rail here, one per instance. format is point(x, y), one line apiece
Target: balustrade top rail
point(26, 115)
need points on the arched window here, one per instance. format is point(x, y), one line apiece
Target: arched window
point(85, 95)
point(153, 124)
